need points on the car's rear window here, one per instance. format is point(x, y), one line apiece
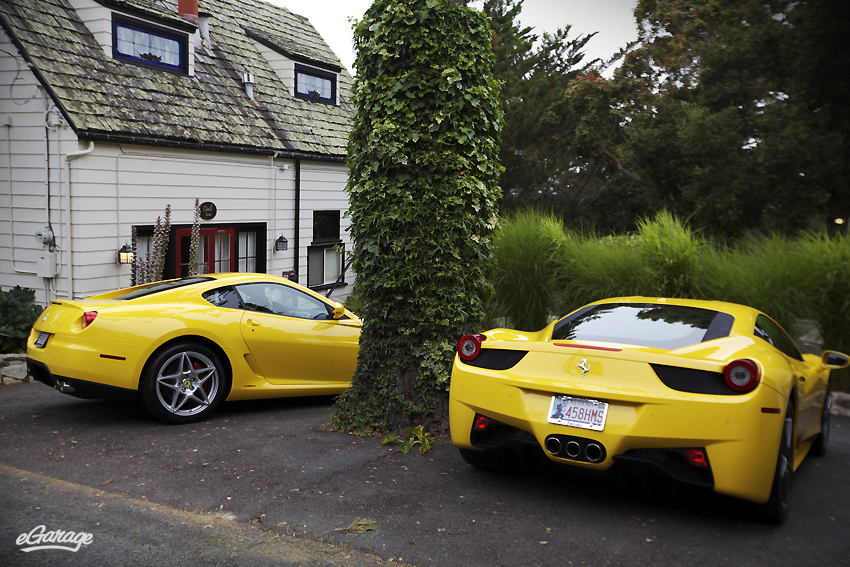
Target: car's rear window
point(668, 327)
point(163, 286)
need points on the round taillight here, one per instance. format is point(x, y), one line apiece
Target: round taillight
point(469, 346)
point(741, 375)
point(88, 318)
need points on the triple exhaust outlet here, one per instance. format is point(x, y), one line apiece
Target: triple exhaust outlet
point(575, 448)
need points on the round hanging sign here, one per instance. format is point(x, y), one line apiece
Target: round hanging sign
point(208, 210)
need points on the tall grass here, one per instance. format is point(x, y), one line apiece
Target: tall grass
point(543, 270)
point(525, 252)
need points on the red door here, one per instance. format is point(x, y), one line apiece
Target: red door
point(216, 250)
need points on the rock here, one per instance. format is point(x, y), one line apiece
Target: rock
point(840, 404)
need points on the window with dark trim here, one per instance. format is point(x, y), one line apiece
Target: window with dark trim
point(149, 45)
point(246, 242)
point(315, 84)
point(325, 254)
point(325, 226)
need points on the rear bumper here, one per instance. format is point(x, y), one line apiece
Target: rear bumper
point(76, 387)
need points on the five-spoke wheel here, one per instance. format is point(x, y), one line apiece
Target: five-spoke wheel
point(183, 383)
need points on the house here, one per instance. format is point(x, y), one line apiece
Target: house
point(112, 109)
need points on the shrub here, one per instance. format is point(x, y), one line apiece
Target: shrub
point(17, 315)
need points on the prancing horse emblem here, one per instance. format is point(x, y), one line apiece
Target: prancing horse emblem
point(583, 366)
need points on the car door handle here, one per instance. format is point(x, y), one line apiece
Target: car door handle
point(252, 323)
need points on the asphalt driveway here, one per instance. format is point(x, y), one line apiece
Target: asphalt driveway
point(264, 483)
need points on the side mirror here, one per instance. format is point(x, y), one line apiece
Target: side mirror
point(339, 311)
point(835, 360)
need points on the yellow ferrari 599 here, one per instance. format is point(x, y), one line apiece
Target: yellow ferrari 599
point(181, 347)
point(711, 394)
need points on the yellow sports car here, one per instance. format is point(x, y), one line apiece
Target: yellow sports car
point(181, 347)
point(712, 394)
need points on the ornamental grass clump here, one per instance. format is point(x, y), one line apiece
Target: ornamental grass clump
point(526, 249)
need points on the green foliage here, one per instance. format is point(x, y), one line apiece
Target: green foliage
point(413, 436)
point(725, 113)
point(423, 188)
point(794, 280)
point(533, 71)
point(17, 315)
point(525, 252)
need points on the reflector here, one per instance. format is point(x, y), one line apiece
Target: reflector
point(696, 457)
point(481, 423)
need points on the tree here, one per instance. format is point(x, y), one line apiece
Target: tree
point(716, 115)
point(533, 75)
point(423, 189)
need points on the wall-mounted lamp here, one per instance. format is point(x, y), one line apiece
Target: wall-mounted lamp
point(839, 221)
point(125, 255)
point(281, 244)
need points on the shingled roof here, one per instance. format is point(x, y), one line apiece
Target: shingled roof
point(105, 98)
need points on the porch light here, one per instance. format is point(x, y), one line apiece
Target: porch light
point(281, 244)
point(125, 255)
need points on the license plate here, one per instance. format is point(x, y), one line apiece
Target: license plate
point(578, 412)
point(41, 340)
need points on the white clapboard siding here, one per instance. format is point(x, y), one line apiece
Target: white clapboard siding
point(115, 187)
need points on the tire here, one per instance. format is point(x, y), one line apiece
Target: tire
point(822, 441)
point(775, 510)
point(184, 383)
point(484, 460)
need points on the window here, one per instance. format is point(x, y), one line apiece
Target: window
point(324, 264)
point(282, 300)
point(221, 248)
point(774, 334)
point(662, 326)
point(149, 45)
point(325, 226)
point(324, 256)
point(315, 84)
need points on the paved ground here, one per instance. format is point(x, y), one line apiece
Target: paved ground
point(263, 483)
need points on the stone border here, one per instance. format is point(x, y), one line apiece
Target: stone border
point(13, 366)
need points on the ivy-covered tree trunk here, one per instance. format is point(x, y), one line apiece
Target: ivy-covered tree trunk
point(423, 188)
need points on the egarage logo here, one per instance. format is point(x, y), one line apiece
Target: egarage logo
point(39, 538)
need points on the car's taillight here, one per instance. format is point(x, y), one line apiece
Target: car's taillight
point(88, 318)
point(741, 375)
point(469, 346)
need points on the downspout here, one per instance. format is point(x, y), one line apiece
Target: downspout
point(296, 239)
point(68, 159)
point(118, 204)
point(273, 199)
point(8, 125)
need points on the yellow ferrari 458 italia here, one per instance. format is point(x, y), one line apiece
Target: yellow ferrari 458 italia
point(711, 394)
point(181, 347)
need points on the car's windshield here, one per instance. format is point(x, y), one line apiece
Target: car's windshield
point(654, 325)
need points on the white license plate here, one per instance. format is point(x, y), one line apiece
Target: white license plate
point(41, 340)
point(578, 412)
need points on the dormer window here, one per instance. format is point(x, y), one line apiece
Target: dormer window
point(314, 84)
point(149, 45)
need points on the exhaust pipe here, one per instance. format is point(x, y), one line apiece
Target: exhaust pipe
point(593, 452)
point(64, 387)
point(553, 445)
point(573, 449)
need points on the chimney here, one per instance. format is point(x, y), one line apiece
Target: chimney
point(188, 9)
